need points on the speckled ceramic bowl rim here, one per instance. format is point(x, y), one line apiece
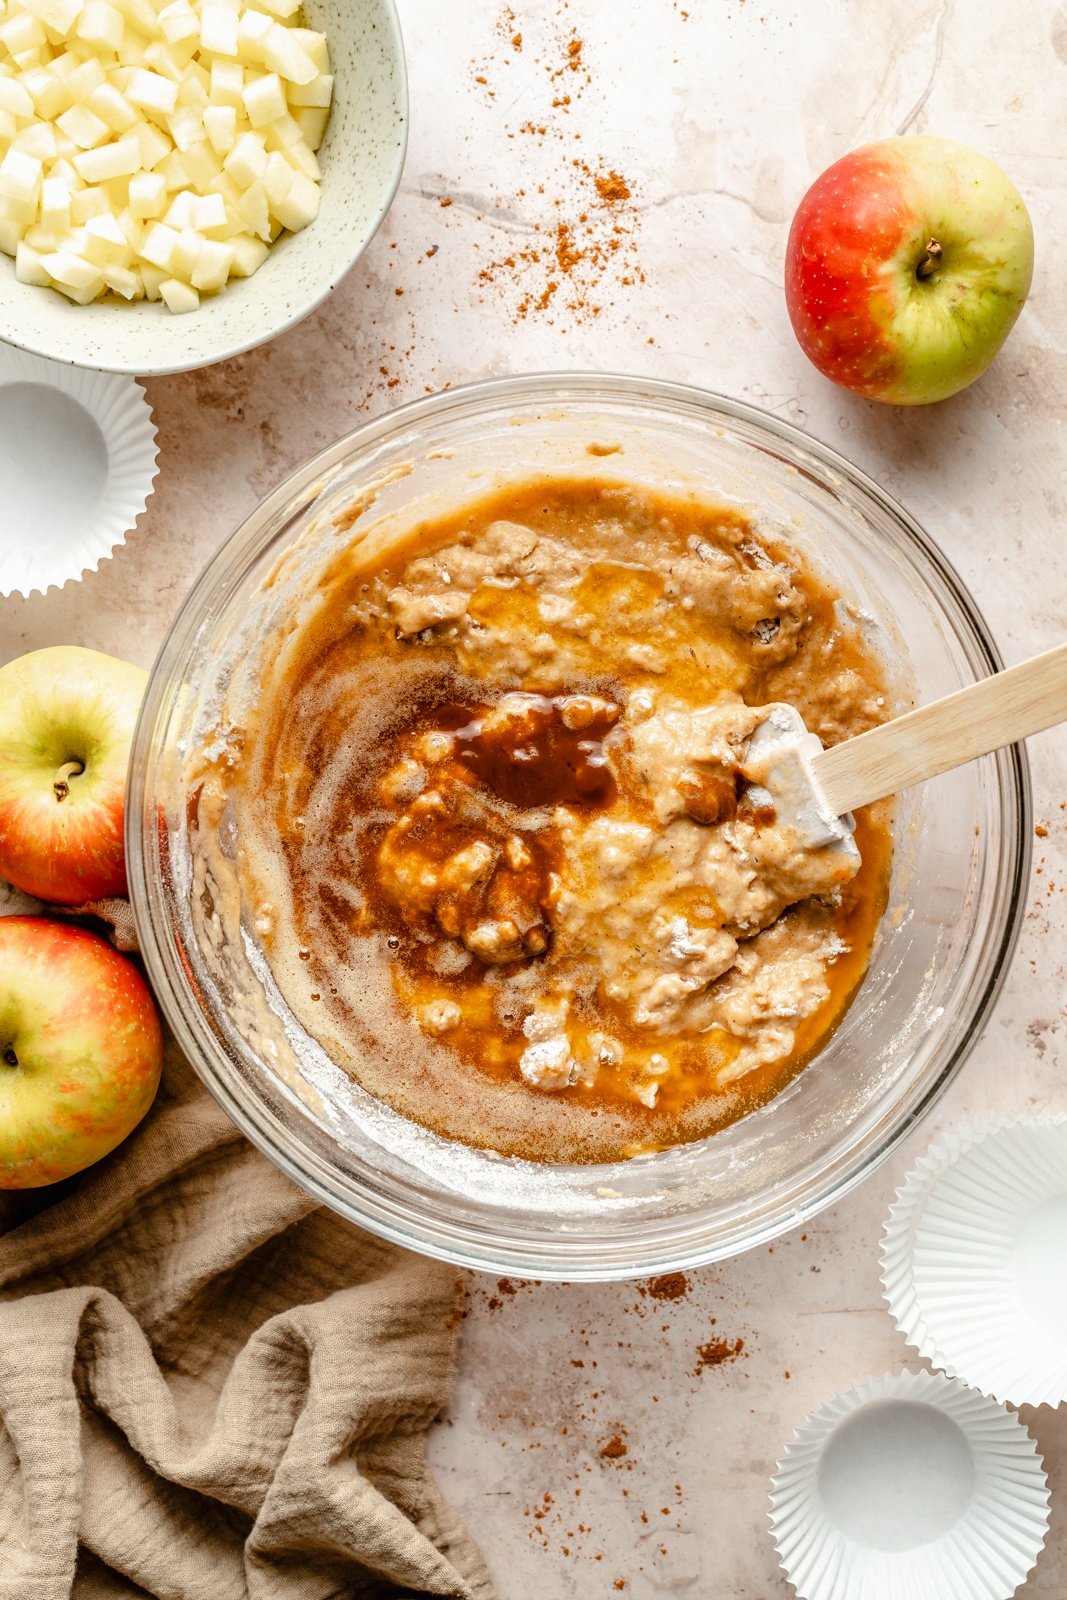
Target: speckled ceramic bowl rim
point(420, 1227)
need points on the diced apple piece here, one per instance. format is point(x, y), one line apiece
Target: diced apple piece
point(186, 252)
point(118, 160)
point(319, 92)
point(303, 158)
point(160, 243)
point(36, 139)
point(192, 94)
point(63, 169)
point(218, 29)
point(45, 240)
point(185, 127)
point(312, 123)
point(152, 92)
point(264, 100)
point(64, 62)
point(105, 241)
point(83, 297)
point(112, 107)
point(316, 46)
point(208, 213)
point(20, 177)
point(277, 178)
point(163, 58)
point(22, 32)
point(212, 267)
point(174, 171)
point(142, 16)
point(55, 203)
point(280, 8)
point(201, 163)
point(248, 256)
point(254, 211)
point(59, 15)
point(10, 234)
point(117, 192)
point(247, 161)
point(85, 78)
point(179, 214)
point(148, 195)
point(151, 277)
point(154, 144)
point(134, 230)
point(299, 205)
point(101, 25)
point(282, 133)
point(84, 127)
point(123, 280)
point(283, 55)
point(179, 22)
point(227, 83)
point(8, 128)
point(29, 267)
point(22, 212)
point(16, 98)
point(87, 203)
point(220, 125)
point(178, 296)
point(251, 32)
point(49, 93)
point(72, 271)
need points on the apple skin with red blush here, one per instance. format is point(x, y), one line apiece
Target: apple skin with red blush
point(67, 718)
point(907, 264)
point(81, 1050)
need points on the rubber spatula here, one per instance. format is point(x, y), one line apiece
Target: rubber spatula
point(815, 790)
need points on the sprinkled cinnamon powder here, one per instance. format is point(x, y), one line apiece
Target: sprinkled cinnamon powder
point(612, 186)
point(716, 1352)
point(668, 1286)
point(576, 248)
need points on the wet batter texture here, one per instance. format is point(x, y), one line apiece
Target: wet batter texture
point(495, 841)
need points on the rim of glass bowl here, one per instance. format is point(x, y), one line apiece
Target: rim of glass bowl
point(678, 1241)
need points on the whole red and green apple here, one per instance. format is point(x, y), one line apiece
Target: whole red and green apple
point(67, 717)
point(81, 1050)
point(907, 264)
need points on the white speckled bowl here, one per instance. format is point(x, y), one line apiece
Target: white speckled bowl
point(362, 158)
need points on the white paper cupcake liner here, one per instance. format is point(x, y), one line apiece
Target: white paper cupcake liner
point(77, 463)
point(909, 1488)
point(898, 1238)
point(989, 1262)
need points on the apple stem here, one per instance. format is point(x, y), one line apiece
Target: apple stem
point(931, 260)
point(61, 783)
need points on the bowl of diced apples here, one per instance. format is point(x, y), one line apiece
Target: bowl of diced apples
point(181, 180)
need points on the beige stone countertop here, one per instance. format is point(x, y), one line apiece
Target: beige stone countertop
point(716, 114)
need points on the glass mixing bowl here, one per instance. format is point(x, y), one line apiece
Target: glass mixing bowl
point(961, 847)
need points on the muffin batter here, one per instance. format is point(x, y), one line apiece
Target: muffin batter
point(493, 829)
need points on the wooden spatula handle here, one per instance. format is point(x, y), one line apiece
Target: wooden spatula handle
point(997, 711)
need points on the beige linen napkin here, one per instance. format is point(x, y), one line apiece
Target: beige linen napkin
point(213, 1389)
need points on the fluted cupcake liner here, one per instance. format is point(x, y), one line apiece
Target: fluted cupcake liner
point(988, 1298)
point(898, 1236)
point(77, 463)
point(912, 1487)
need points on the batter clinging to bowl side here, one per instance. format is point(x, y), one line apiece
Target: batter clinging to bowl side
point(493, 837)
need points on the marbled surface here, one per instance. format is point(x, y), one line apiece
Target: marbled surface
point(716, 113)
